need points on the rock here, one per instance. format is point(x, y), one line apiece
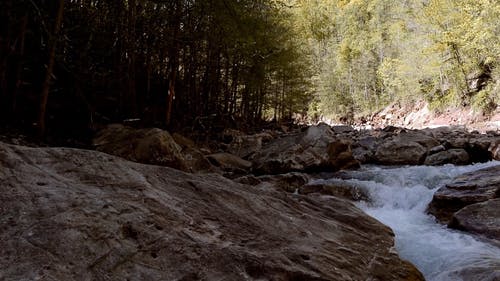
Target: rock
point(480, 218)
point(342, 129)
point(419, 137)
point(338, 188)
point(478, 273)
point(466, 189)
point(437, 149)
point(445, 131)
point(311, 150)
point(195, 161)
point(148, 146)
point(245, 146)
point(364, 149)
point(183, 141)
point(340, 154)
point(397, 152)
point(451, 156)
point(194, 158)
point(248, 179)
point(478, 149)
point(362, 155)
point(494, 149)
point(228, 135)
point(230, 163)
point(69, 214)
point(457, 142)
point(392, 129)
point(289, 182)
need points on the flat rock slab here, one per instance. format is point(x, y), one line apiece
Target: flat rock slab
point(481, 218)
point(466, 189)
point(69, 214)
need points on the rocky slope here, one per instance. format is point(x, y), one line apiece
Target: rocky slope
point(419, 116)
point(69, 214)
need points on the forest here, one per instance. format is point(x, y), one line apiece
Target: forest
point(70, 66)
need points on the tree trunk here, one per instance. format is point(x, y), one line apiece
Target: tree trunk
point(458, 58)
point(4, 57)
point(131, 62)
point(50, 67)
point(19, 64)
point(174, 62)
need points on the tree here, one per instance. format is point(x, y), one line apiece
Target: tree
point(50, 67)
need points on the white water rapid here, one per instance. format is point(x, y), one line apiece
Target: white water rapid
point(399, 198)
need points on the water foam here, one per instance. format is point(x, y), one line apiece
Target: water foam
point(399, 198)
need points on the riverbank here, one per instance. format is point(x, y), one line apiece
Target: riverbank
point(248, 207)
point(418, 115)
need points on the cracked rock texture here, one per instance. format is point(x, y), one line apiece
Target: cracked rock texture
point(69, 214)
point(466, 189)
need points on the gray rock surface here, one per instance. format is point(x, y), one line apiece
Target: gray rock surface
point(480, 218)
point(478, 148)
point(400, 152)
point(399, 146)
point(405, 148)
point(364, 148)
point(228, 161)
point(466, 189)
point(455, 156)
point(289, 182)
point(193, 158)
point(243, 145)
point(494, 149)
point(69, 214)
point(341, 156)
point(338, 188)
point(315, 149)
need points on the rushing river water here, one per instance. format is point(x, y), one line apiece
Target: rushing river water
point(399, 198)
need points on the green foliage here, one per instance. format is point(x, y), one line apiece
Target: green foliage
point(377, 52)
point(248, 59)
point(485, 100)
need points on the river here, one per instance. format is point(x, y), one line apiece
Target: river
point(399, 198)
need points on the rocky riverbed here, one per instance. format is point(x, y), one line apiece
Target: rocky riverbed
point(71, 214)
point(247, 208)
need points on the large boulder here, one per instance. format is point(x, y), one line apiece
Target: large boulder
point(420, 137)
point(405, 148)
point(231, 165)
point(194, 158)
point(340, 155)
point(245, 146)
point(480, 218)
point(364, 148)
point(69, 214)
point(397, 152)
point(478, 148)
point(464, 190)
point(455, 156)
point(316, 149)
point(148, 146)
